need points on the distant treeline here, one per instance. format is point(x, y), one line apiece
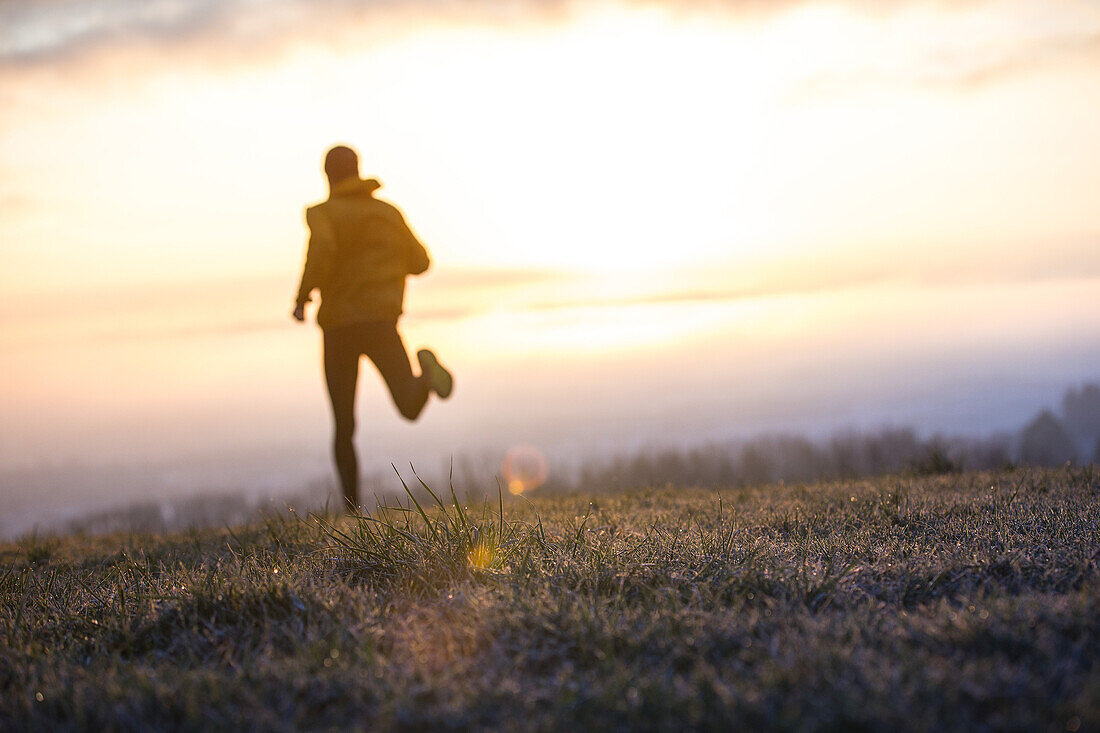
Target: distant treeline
point(1049, 439)
point(201, 510)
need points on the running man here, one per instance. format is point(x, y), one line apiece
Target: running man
point(360, 251)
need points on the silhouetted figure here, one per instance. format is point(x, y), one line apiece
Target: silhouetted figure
point(360, 251)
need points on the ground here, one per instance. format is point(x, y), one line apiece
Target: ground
point(963, 602)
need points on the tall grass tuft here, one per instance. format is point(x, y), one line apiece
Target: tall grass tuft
point(407, 544)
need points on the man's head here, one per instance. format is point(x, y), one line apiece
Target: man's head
point(341, 162)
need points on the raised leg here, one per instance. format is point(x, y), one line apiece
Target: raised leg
point(387, 351)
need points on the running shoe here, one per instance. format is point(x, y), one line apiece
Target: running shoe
point(439, 379)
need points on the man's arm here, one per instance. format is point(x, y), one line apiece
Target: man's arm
point(417, 260)
point(318, 259)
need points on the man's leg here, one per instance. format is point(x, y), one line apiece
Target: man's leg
point(341, 374)
point(387, 351)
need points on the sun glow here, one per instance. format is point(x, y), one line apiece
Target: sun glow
point(603, 146)
point(650, 222)
point(622, 140)
point(612, 138)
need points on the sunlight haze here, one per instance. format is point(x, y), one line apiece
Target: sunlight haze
point(650, 222)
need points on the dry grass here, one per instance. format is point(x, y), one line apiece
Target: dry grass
point(963, 602)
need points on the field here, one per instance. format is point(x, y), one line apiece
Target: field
point(961, 602)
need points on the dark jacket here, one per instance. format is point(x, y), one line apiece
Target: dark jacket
point(360, 251)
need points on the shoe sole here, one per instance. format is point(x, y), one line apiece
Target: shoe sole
point(430, 365)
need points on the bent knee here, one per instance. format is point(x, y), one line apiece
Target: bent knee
point(410, 413)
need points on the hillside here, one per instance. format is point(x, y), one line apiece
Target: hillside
point(957, 602)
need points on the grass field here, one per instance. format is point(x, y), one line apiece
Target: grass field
point(963, 602)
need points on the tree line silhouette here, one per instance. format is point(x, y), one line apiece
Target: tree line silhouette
point(1047, 440)
point(1070, 434)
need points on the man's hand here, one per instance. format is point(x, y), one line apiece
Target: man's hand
point(299, 313)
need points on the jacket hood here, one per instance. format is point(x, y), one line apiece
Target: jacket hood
point(353, 186)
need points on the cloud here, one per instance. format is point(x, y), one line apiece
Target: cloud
point(952, 69)
point(12, 203)
point(249, 306)
point(958, 268)
point(37, 34)
point(43, 30)
point(40, 31)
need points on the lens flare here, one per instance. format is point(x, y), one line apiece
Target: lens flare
point(524, 468)
point(482, 555)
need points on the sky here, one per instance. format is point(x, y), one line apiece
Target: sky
point(651, 223)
